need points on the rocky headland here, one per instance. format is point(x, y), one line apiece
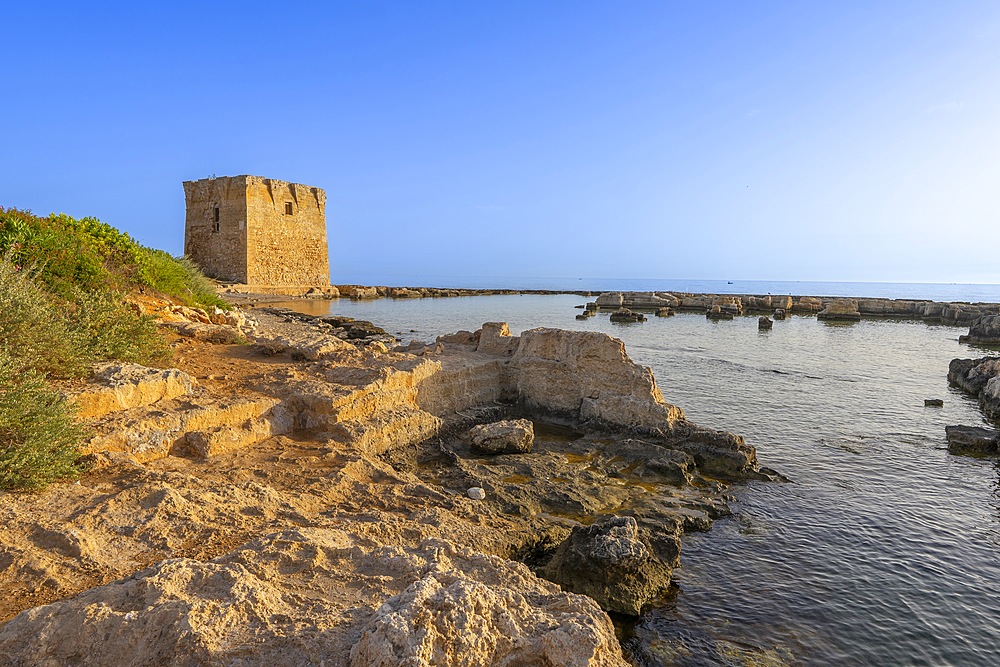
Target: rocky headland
point(298, 490)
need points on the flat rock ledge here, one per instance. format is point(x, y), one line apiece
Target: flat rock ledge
point(973, 440)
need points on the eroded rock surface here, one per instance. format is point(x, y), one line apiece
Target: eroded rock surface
point(985, 330)
point(980, 378)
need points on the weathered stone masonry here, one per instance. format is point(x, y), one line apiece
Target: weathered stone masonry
point(257, 231)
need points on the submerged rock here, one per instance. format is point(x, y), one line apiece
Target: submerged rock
point(764, 323)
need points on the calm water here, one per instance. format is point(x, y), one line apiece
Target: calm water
point(884, 551)
point(933, 291)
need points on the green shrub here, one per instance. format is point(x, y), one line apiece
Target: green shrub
point(89, 254)
point(38, 437)
point(33, 330)
point(104, 327)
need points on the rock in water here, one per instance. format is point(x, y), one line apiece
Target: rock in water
point(984, 330)
point(843, 310)
point(764, 323)
point(611, 563)
point(972, 440)
point(933, 403)
point(514, 436)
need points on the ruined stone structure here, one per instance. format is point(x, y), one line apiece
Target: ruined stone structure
point(257, 231)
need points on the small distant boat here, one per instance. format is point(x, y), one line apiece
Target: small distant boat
point(730, 282)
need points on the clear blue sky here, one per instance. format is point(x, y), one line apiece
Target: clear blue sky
point(730, 140)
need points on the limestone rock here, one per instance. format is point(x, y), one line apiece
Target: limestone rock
point(611, 563)
point(780, 314)
point(806, 304)
point(984, 330)
point(764, 323)
point(844, 310)
point(121, 386)
point(972, 440)
point(444, 620)
point(610, 300)
point(495, 338)
point(717, 452)
point(515, 436)
point(476, 493)
point(219, 334)
point(587, 375)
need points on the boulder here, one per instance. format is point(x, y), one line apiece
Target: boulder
point(664, 312)
point(610, 300)
point(612, 563)
point(972, 440)
point(514, 436)
point(806, 304)
point(716, 312)
point(933, 403)
point(764, 323)
point(842, 310)
point(985, 330)
point(779, 314)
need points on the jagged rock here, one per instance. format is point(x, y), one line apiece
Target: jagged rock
point(717, 452)
point(587, 314)
point(764, 323)
point(981, 378)
point(449, 621)
point(611, 563)
point(780, 313)
point(844, 310)
point(587, 375)
point(514, 436)
point(121, 386)
point(984, 330)
point(495, 338)
point(972, 440)
point(311, 346)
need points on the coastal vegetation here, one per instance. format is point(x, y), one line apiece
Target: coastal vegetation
point(64, 288)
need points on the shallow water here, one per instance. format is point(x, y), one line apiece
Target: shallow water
point(885, 549)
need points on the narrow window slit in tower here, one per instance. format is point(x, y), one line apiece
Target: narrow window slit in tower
point(288, 208)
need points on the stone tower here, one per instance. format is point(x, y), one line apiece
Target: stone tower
point(257, 231)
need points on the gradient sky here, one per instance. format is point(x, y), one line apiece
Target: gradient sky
point(730, 140)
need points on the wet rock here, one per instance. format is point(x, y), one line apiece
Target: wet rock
point(764, 323)
point(611, 563)
point(717, 313)
point(718, 452)
point(933, 403)
point(981, 378)
point(514, 436)
point(664, 312)
point(779, 314)
point(972, 440)
point(984, 330)
point(624, 316)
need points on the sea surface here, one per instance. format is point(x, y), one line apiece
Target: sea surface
point(968, 292)
point(883, 550)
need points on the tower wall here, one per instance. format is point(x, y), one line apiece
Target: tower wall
point(218, 245)
point(257, 231)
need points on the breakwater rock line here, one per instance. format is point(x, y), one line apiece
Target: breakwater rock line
point(302, 499)
point(725, 306)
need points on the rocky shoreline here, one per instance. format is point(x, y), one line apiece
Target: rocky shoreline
point(296, 492)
